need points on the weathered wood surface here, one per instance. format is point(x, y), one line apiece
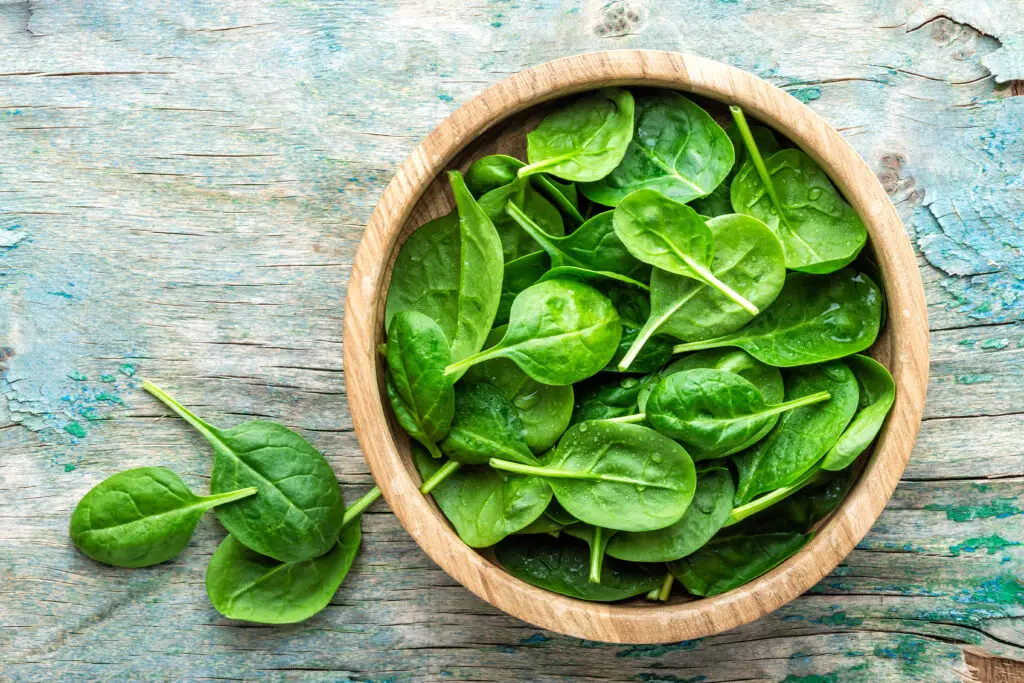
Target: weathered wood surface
point(182, 186)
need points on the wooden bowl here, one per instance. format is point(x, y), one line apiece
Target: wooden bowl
point(495, 121)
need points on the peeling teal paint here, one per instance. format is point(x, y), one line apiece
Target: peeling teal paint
point(669, 678)
point(806, 95)
point(535, 639)
point(644, 651)
point(61, 293)
point(908, 650)
point(1004, 589)
point(838, 619)
point(992, 544)
point(997, 507)
point(77, 376)
point(974, 378)
point(1000, 343)
point(74, 428)
point(128, 369)
point(107, 379)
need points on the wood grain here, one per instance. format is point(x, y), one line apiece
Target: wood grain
point(415, 194)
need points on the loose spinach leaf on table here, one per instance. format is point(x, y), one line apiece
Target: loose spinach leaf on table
point(426, 275)
point(490, 172)
point(727, 563)
point(515, 241)
point(671, 236)
point(559, 332)
point(563, 566)
point(244, 585)
point(702, 520)
point(677, 149)
point(486, 426)
point(819, 230)
point(816, 318)
point(584, 140)
point(617, 476)
point(483, 504)
point(520, 274)
point(748, 258)
point(802, 436)
point(420, 393)
point(596, 539)
point(715, 410)
point(545, 410)
point(877, 394)
point(298, 510)
point(592, 246)
point(605, 397)
point(141, 517)
point(480, 274)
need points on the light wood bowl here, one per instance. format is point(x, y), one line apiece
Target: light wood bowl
point(495, 121)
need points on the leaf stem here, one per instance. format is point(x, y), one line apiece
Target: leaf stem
point(596, 554)
point(740, 513)
point(221, 498)
point(551, 473)
point(539, 166)
point(710, 279)
point(666, 587)
point(182, 412)
point(468, 361)
point(757, 159)
point(551, 191)
point(796, 403)
point(357, 508)
point(443, 473)
point(630, 419)
point(546, 241)
point(700, 345)
point(653, 595)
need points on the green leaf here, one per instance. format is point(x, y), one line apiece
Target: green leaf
point(516, 242)
point(584, 140)
point(483, 504)
point(728, 563)
point(803, 509)
point(520, 274)
point(563, 567)
point(802, 436)
point(141, 517)
point(598, 279)
point(247, 586)
point(485, 426)
point(816, 318)
point(559, 332)
point(709, 510)
point(677, 149)
point(877, 394)
point(605, 397)
point(596, 539)
point(617, 476)
point(819, 230)
point(298, 511)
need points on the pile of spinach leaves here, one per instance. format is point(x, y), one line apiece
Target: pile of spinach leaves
point(672, 350)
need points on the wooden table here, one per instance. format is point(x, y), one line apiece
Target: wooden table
point(182, 187)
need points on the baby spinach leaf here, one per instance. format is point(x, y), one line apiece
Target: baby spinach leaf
point(563, 567)
point(515, 241)
point(483, 504)
point(801, 510)
point(595, 278)
point(802, 436)
point(715, 204)
point(766, 378)
point(671, 236)
point(715, 410)
point(747, 258)
point(820, 232)
point(559, 332)
point(520, 274)
point(593, 246)
point(545, 410)
point(702, 520)
point(298, 511)
point(603, 398)
point(727, 563)
point(247, 586)
point(816, 318)
point(541, 525)
point(584, 140)
point(496, 170)
point(480, 274)
point(617, 476)
point(420, 393)
point(677, 149)
point(597, 539)
point(426, 275)
point(485, 426)
point(653, 356)
point(141, 517)
point(877, 394)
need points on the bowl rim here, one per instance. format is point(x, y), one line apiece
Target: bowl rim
point(903, 347)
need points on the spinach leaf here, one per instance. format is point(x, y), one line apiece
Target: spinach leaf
point(593, 246)
point(671, 236)
point(707, 513)
point(815, 318)
point(420, 393)
point(585, 140)
point(727, 563)
point(766, 378)
point(617, 476)
point(516, 242)
point(545, 410)
point(802, 436)
point(485, 426)
point(602, 398)
point(141, 517)
point(426, 275)
point(714, 410)
point(483, 504)
point(520, 274)
point(715, 204)
point(653, 356)
point(747, 258)
point(677, 149)
point(244, 585)
point(559, 332)
point(496, 170)
point(820, 232)
point(877, 394)
point(597, 539)
point(596, 278)
point(563, 567)
point(480, 274)
point(803, 509)
point(298, 511)
point(541, 525)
